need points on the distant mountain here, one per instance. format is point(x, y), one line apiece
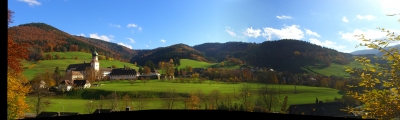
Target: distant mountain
point(372, 51)
point(50, 39)
point(181, 51)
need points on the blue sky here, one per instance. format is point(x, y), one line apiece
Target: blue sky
point(148, 24)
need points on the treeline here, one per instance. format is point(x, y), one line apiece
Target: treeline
point(45, 38)
point(275, 77)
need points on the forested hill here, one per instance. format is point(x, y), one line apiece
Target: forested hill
point(284, 55)
point(45, 38)
point(181, 51)
point(218, 51)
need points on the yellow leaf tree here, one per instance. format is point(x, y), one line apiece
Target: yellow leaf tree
point(379, 83)
point(17, 87)
point(16, 93)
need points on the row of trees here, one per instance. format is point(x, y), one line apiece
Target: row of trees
point(266, 99)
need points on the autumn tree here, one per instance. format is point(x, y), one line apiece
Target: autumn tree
point(127, 100)
point(214, 98)
point(383, 102)
point(267, 97)
point(141, 103)
point(90, 74)
point(146, 70)
point(101, 102)
point(169, 99)
point(169, 69)
point(40, 84)
point(194, 101)
point(57, 56)
point(16, 92)
point(245, 96)
point(35, 54)
point(90, 106)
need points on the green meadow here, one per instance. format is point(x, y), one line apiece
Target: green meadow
point(333, 69)
point(305, 94)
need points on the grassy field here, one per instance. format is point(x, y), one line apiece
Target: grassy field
point(305, 94)
point(334, 69)
point(194, 64)
point(62, 64)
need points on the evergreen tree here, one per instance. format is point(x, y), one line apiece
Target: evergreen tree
point(140, 70)
point(176, 73)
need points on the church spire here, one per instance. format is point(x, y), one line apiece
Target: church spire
point(94, 52)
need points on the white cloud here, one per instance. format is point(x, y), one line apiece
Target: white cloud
point(368, 33)
point(118, 26)
point(162, 40)
point(126, 45)
point(150, 41)
point(372, 34)
point(83, 35)
point(326, 43)
point(288, 32)
point(344, 19)
point(390, 6)
point(101, 37)
point(250, 32)
point(131, 25)
point(367, 17)
point(31, 2)
point(283, 17)
point(311, 33)
point(230, 32)
point(146, 45)
point(140, 29)
point(209, 36)
point(131, 40)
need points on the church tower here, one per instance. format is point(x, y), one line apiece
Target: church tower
point(95, 62)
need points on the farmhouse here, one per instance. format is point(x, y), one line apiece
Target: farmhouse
point(123, 73)
point(66, 85)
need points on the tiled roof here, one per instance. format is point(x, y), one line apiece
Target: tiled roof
point(122, 71)
point(54, 114)
point(79, 67)
point(80, 82)
point(319, 109)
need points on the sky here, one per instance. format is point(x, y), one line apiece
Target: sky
point(148, 24)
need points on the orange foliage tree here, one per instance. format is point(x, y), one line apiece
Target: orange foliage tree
point(17, 88)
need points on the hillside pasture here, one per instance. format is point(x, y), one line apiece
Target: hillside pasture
point(194, 64)
point(333, 69)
